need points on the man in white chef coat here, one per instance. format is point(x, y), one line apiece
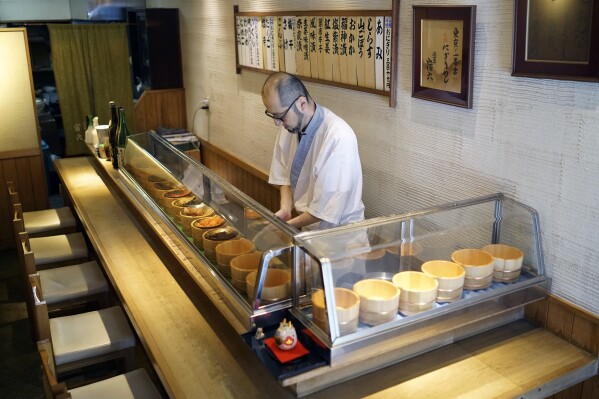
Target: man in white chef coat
point(315, 162)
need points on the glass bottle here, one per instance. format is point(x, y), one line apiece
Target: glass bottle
point(123, 133)
point(89, 129)
point(95, 132)
point(114, 124)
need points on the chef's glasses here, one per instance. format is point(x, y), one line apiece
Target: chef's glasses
point(281, 116)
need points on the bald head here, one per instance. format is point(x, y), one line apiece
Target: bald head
point(286, 87)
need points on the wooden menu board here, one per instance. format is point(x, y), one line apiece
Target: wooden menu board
point(351, 49)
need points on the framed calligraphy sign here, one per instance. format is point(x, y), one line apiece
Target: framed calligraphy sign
point(556, 39)
point(443, 54)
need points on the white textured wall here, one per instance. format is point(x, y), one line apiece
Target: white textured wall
point(536, 140)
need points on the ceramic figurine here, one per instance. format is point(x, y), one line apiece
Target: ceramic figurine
point(286, 337)
point(259, 334)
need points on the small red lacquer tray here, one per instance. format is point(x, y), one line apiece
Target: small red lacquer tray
point(286, 356)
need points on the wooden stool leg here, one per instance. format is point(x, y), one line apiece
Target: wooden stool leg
point(130, 363)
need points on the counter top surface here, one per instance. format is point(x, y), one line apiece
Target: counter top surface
point(198, 354)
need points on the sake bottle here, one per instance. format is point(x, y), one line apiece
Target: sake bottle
point(95, 132)
point(114, 124)
point(89, 129)
point(123, 133)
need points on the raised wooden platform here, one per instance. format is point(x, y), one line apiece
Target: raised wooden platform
point(197, 353)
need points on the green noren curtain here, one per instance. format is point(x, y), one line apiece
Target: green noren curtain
point(91, 68)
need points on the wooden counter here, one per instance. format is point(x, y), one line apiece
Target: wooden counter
point(198, 354)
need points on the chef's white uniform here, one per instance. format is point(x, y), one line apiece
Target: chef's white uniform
point(330, 182)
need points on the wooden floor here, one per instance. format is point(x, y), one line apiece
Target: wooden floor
point(196, 354)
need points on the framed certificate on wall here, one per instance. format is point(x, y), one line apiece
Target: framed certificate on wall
point(443, 54)
point(556, 39)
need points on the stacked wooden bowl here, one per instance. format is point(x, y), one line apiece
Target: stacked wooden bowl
point(190, 214)
point(277, 285)
point(450, 277)
point(379, 300)
point(347, 306)
point(418, 291)
point(212, 238)
point(478, 265)
point(243, 265)
point(200, 226)
point(228, 250)
point(507, 262)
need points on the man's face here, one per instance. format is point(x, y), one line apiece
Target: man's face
point(290, 117)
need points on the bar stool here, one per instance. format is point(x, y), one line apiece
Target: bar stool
point(52, 251)
point(46, 221)
point(83, 339)
point(66, 286)
point(134, 384)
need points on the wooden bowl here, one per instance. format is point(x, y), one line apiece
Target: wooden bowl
point(228, 250)
point(142, 168)
point(277, 285)
point(212, 238)
point(477, 264)
point(418, 291)
point(198, 212)
point(347, 304)
point(450, 277)
point(169, 196)
point(158, 189)
point(507, 262)
point(379, 300)
point(243, 265)
point(141, 174)
point(181, 203)
point(200, 226)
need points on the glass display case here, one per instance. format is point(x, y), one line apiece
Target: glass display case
point(230, 239)
point(370, 293)
point(459, 267)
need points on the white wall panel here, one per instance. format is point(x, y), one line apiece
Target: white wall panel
point(537, 140)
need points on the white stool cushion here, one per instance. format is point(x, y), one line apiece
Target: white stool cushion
point(71, 282)
point(134, 384)
point(58, 248)
point(48, 219)
point(85, 335)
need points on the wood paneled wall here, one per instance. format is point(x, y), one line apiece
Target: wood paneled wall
point(576, 326)
point(245, 177)
point(160, 108)
point(28, 174)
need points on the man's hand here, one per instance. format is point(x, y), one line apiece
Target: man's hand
point(303, 220)
point(283, 214)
